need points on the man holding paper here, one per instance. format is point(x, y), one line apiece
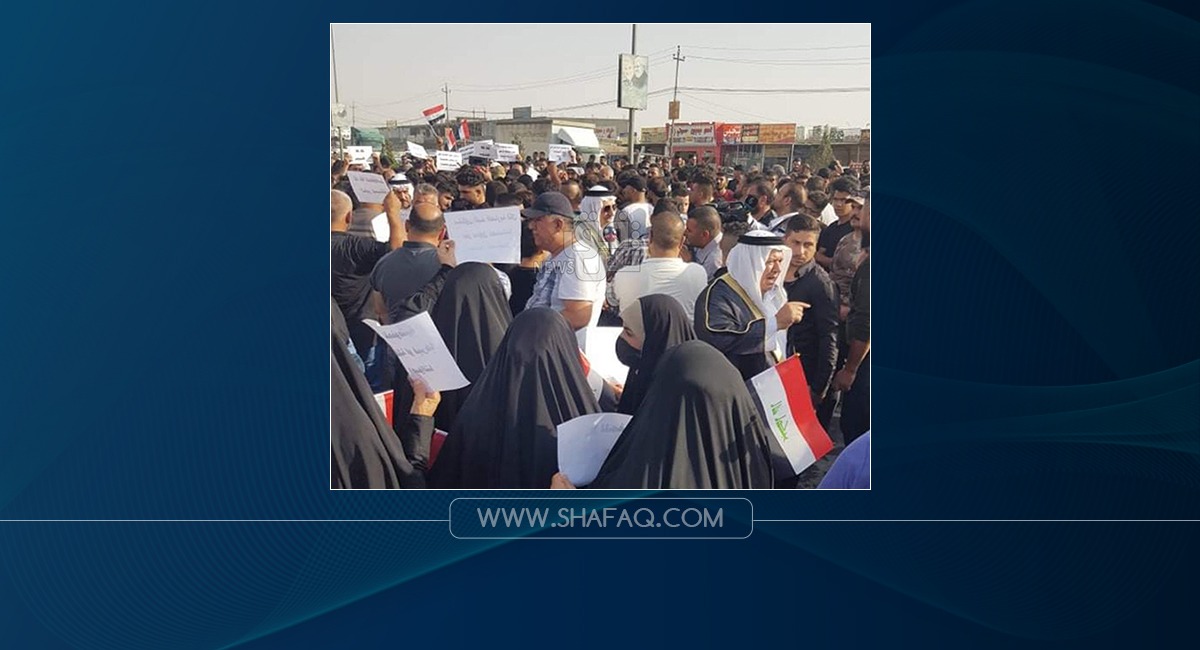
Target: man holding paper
point(351, 259)
point(405, 271)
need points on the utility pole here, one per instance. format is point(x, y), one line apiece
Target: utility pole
point(353, 113)
point(632, 50)
point(446, 91)
point(674, 98)
point(336, 96)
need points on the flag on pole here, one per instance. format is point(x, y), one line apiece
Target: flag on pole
point(798, 439)
point(450, 141)
point(464, 130)
point(435, 114)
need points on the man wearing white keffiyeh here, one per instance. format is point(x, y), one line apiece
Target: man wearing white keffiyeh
point(745, 312)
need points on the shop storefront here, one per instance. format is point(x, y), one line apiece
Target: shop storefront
point(758, 145)
point(652, 141)
point(698, 139)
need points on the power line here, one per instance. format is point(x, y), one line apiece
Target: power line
point(776, 91)
point(436, 91)
point(600, 103)
point(812, 62)
point(563, 81)
point(656, 56)
point(730, 109)
point(777, 49)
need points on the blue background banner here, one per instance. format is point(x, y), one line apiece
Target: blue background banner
point(1035, 357)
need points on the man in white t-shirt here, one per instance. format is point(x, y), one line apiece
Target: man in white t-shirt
point(572, 280)
point(662, 271)
point(634, 219)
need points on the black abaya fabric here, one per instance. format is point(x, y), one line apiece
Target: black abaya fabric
point(698, 428)
point(666, 325)
point(505, 435)
point(472, 315)
point(364, 451)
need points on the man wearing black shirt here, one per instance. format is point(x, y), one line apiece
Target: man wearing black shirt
point(406, 270)
point(842, 193)
point(351, 259)
point(815, 337)
point(855, 375)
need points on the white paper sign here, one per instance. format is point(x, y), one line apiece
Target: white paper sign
point(368, 187)
point(507, 152)
point(359, 155)
point(466, 150)
point(485, 149)
point(584, 443)
point(601, 351)
point(421, 349)
point(379, 224)
point(559, 153)
point(417, 150)
point(491, 235)
point(448, 161)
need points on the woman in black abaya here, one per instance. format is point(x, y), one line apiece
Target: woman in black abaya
point(364, 451)
point(653, 325)
point(505, 435)
point(472, 315)
point(697, 428)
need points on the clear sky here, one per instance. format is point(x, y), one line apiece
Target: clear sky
point(395, 71)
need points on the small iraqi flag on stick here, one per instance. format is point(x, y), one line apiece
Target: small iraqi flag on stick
point(435, 114)
point(798, 439)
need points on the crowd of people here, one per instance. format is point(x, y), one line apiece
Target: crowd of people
point(714, 275)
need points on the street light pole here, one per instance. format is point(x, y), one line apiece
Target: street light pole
point(632, 50)
point(674, 99)
point(336, 96)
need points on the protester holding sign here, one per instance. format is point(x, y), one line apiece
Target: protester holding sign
point(698, 428)
point(405, 271)
point(769, 315)
point(504, 436)
point(364, 452)
point(351, 261)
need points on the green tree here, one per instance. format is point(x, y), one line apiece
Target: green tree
point(822, 155)
point(386, 150)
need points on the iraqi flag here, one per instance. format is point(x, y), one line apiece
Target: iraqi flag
point(464, 131)
point(798, 440)
point(435, 114)
point(451, 143)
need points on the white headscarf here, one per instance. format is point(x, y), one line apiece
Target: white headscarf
point(593, 200)
point(746, 263)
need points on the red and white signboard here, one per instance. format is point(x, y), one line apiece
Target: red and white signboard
point(782, 393)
